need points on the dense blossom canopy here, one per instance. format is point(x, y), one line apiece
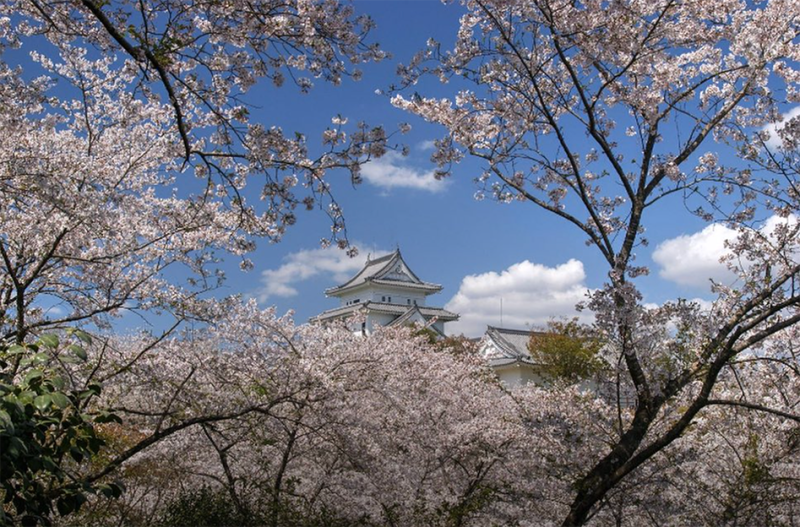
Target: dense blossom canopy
point(128, 146)
point(126, 153)
point(597, 112)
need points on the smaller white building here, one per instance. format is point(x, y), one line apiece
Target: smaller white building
point(506, 351)
point(388, 292)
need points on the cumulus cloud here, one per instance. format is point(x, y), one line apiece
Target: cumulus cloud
point(694, 259)
point(531, 295)
point(774, 142)
point(55, 311)
point(392, 171)
point(430, 144)
point(305, 264)
point(774, 221)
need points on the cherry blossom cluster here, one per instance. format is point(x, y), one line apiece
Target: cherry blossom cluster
point(598, 112)
point(191, 65)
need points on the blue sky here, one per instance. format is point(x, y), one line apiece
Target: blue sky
point(480, 251)
point(484, 254)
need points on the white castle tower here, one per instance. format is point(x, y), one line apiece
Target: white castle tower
point(389, 293)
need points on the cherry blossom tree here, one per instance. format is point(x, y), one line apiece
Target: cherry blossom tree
point(309, 421)
point(598, 112)
point(118, 106)
point(291, 423)
point(125, 161)
point(122, 103)
point(198, 60)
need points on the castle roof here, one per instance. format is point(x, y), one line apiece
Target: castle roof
point(390, 270)
point(391, 309)
point(507, 346)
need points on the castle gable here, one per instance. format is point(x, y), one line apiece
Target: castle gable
point(388, 292)
point(389, 270)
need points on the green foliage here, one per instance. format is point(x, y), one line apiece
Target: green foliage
point(44, 427)
point(458, 345)
point(567, 351)
point(213, 507)
point(754, 471)
point(430, 335)
point(205, 507)
point(459, 513)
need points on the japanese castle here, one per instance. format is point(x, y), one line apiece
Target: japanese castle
point(389, 294)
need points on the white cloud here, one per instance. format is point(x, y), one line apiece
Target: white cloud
point(774, 221)
point(391, 171)
point(531, 295)
point(694, 259)
point(788, 239)
point(305, 264)
point(55, 311)
point(430, 144)
point(774, 142)
point(705, 305)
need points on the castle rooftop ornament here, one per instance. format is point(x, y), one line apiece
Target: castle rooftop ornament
point(388, 292)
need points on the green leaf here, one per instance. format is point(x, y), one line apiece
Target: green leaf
point(38, 358)
point(70, 359)
point(58, 382)
point(83, 336)
point(59, 399)
point(78, 351)
point(65, 505)
point(24, 398)
point(76, 454)
point(85, 394)
point(16, 350)
point(107, 418)
point(16, 442)
point(49, 340)
point(6, 424)
point(105, 490)
point(42, 402)
point(49, 464)
point(32, 375)
point(117, 487)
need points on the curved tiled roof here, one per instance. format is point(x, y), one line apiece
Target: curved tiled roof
point(499, 362)
point(381, 307)
point(377, 271)
point(511, 343)
point(421, 285)
point(402, 319)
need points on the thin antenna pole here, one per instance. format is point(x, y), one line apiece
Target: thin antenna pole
point(501, 311)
